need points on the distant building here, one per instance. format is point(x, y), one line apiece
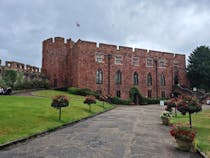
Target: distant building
point(109, 69)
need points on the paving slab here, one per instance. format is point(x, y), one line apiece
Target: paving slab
point(125, 132)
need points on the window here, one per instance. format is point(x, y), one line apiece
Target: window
point(163, 94)
point(149, 94)
point(135, 61)
point(55, 82)
point(99, 57)
point(149, 62)
point(149, 79)
point(118, 94)
point(118, 77)
point(135, 78)
point(99, 92)
point(162, 80)
point(99, 76)
point(161, 63)
point(118, 59)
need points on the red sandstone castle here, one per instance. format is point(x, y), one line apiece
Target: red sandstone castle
point(109, 69)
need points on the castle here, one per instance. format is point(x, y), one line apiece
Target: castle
point(111, 69)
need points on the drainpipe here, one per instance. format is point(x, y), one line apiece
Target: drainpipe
point(156, 77)
point(109, 67)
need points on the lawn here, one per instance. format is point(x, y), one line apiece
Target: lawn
point(201, 122)
point(22, 116)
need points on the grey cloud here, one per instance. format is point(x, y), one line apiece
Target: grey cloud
point(174, 26)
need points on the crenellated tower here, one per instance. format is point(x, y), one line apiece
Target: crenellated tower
point(55, 63)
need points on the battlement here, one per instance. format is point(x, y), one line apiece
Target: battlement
point(30, 68)
point(123, 48)
point(20, 67)
point(59, 40)
point(115, 48)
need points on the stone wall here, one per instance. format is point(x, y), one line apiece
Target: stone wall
point(74, 64)
point(29, 72)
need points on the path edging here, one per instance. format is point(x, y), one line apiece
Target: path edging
point(202, 153)
point(28, 138)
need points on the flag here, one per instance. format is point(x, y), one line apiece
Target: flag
point(77, 24)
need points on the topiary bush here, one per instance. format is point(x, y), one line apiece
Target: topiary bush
point(151, 101)
point(134, 91)
point(189, 105)
point(59, 102)
point(82, 92)
point(116, 100)
point(90, 100)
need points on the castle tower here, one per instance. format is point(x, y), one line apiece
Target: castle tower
point(55, 64)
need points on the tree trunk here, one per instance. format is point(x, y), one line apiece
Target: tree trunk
point(175, 112)
point(190, 120)
point(89, 107)
point(60, 113)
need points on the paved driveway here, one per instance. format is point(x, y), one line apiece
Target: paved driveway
point(125, 132)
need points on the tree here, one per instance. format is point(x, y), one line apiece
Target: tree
point(90, 100)
point(59, 102)
point(9, 77)
point(199, 68)
point(189, 105)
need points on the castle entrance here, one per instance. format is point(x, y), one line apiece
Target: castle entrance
point(136, 98)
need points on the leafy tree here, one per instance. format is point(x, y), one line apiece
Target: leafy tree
point(59, 102)
point(199, 68)
point(9, 77)
point(90, 100)
point(189, 105)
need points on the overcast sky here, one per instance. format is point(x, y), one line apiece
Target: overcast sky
point(167, 25)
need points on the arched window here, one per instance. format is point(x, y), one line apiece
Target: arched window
point(135, 78)
point(149, 79)
point(162, 80)
point(118, 77)
point(99, 76)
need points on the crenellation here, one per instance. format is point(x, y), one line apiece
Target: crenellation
point(107, 46)
point(123, 48)
point(59, 40)
point(48, 41)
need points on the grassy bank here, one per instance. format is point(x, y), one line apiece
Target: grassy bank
point(22, 116)
point(201, 122)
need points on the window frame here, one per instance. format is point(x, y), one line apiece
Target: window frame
point(118, 93)
point(116, 60)
point(135, 78)
point(162, 80)
point(100, 56)
point(149, 79)
point(147, 59)
point(118, 77)
point(164, 63)
point(149, 93)
point(135, 63)
point(99, 76)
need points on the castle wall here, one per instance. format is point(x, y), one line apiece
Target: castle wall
point(75, 65)
point(29, 72)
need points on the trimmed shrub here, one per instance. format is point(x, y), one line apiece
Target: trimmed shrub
point(116, 100)
point(82, 92)
point(59, 102)
point(151, 101)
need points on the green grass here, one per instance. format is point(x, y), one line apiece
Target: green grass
point(22, 116)
point(201, 122)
